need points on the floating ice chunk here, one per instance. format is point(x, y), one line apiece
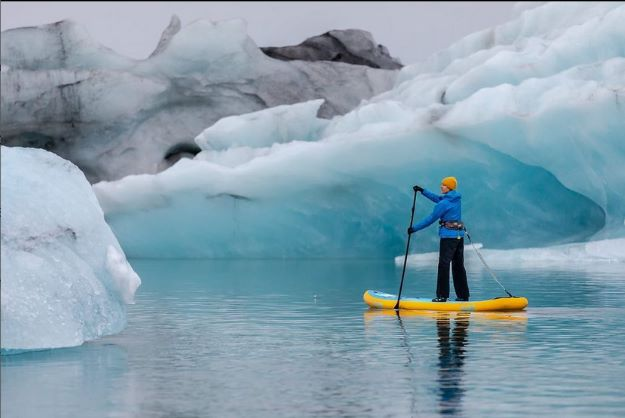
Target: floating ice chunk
point(559, 256)
point(430, 259)
point(65, 278)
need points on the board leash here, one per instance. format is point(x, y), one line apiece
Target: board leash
point(492, 273)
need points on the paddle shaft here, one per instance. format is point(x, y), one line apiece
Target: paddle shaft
point(401, 284)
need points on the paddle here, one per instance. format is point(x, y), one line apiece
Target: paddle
point(414, 200)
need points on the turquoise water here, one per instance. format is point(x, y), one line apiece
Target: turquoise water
point(293, 338)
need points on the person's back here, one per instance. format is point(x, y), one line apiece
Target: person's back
point(448, 209)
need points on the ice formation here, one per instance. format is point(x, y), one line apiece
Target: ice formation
point(528, 116)
point(569, 256)
point(65, 279)
point(263, 128)
point(113, 116)
point(352, 46)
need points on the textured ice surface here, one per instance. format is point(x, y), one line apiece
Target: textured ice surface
point(263, 128)
point(528, 116)
point(351, 45)
point(113, 116)
point(65, 279)
point(235, 140)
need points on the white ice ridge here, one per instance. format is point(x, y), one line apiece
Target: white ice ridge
point(558, 256)
point(234, 140)
point(528, 116)
point(65, 279)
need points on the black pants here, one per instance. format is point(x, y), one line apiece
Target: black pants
point(452, 251)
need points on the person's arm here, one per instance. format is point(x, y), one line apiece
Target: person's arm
point(439, 209)
point(433, 197)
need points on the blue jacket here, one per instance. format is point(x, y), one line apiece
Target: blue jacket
point(448, 208)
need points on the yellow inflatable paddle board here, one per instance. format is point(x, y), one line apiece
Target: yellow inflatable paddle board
point(381, 300)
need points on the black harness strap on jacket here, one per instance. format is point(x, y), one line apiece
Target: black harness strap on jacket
point(454, 225)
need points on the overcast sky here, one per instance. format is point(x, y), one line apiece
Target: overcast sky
point(411, 30)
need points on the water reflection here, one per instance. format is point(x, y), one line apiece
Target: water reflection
point(446, 338)
point(39, 383)
point(451, 349)
point(451, 346)
point(404, 343)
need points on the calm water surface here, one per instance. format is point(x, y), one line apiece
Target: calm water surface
point(293, 338)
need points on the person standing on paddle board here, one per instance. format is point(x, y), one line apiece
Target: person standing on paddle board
point(451, 231)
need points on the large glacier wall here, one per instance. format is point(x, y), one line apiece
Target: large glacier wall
point(528, 116)
point(65, 279)
point(113, 116)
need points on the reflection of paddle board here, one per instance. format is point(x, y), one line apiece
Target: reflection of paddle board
point(381, 300)
point(519, 316)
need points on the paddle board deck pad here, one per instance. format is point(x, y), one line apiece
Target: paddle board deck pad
point(381, 300)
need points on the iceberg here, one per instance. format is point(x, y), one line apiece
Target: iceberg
point(114, 116)
point(65, 278)
point(528, 116)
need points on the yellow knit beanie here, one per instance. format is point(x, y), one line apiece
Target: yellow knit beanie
point(450, 182)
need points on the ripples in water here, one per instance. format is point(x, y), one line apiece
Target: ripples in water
point(293, 338)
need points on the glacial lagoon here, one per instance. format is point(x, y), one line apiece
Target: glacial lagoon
point(293, 338)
